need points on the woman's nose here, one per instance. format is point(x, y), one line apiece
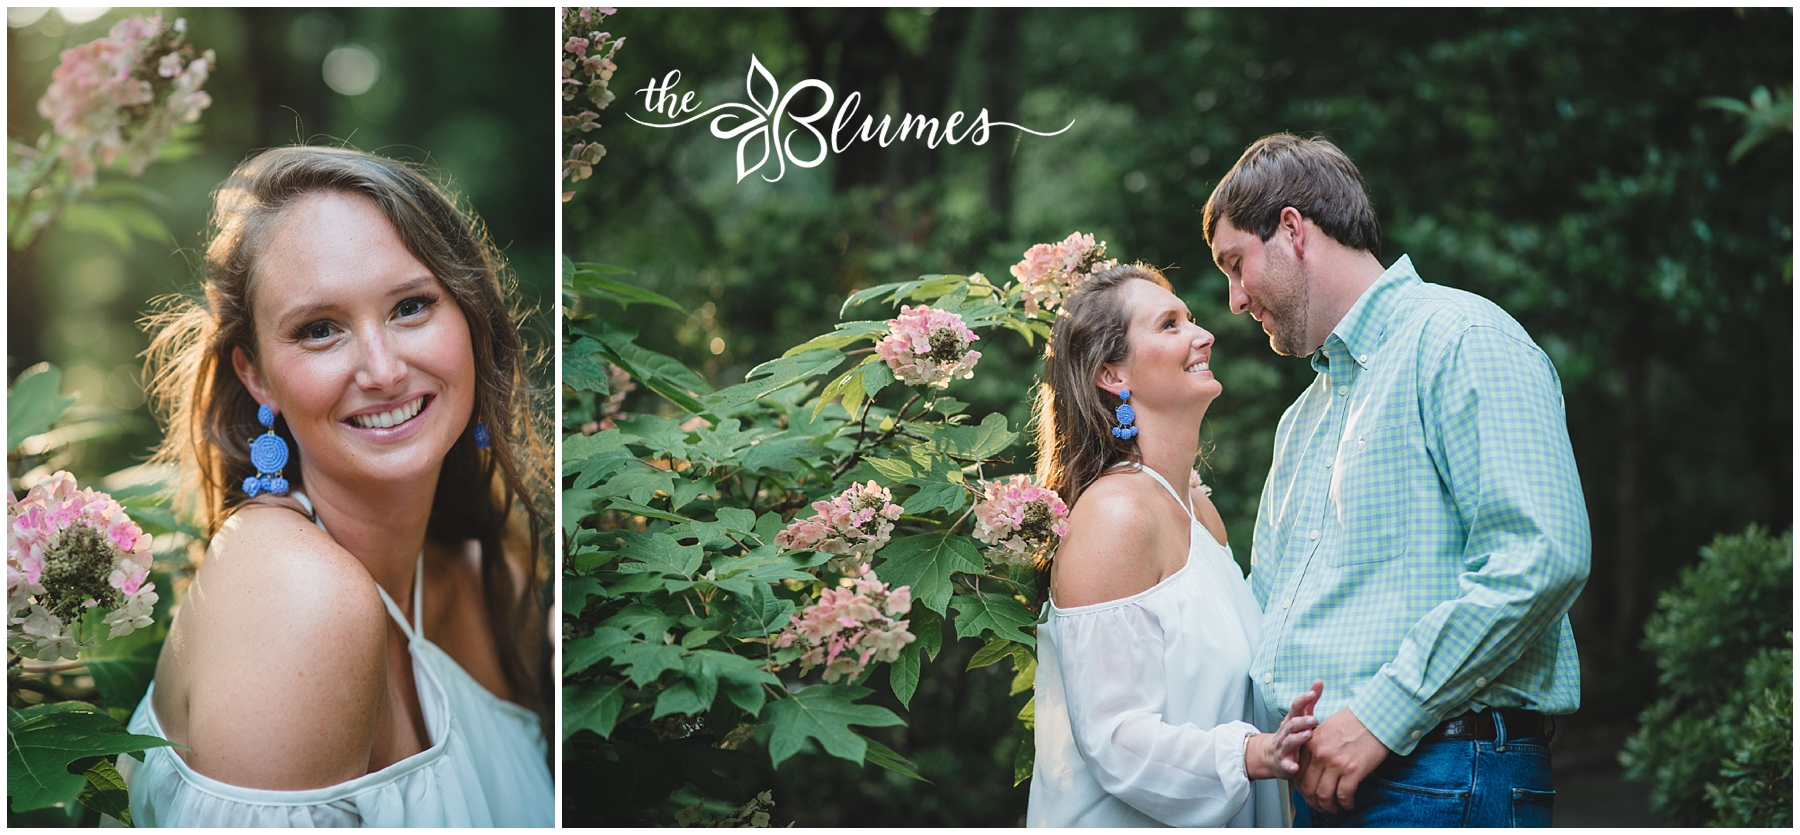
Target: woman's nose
point(382, 367)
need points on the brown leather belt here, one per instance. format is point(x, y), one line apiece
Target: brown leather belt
point(1480, 726)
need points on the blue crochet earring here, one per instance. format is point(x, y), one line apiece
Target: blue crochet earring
point(269, 453)
point(1126, 415)
point(482, 440)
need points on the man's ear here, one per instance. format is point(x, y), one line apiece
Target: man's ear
point(1295, 225)
point(250, 376)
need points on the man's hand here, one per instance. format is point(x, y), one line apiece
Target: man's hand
point(1341, 753)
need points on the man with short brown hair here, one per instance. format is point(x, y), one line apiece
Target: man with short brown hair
point(1422, 532)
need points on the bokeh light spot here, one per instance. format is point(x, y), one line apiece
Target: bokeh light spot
point(351, 69)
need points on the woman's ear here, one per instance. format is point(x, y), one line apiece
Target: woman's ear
point(1110, 379)
point(250, 376)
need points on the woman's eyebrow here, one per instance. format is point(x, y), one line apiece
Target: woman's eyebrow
point(316, 308)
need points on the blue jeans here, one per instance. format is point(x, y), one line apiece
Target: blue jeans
point(1496, 783)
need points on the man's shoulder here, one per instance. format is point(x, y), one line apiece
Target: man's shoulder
point(1441, 315)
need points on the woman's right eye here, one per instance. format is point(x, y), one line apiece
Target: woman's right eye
point(314, 331)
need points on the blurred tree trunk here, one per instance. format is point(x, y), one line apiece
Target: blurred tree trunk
point(1001, 95)
point(24, 312)
point(925, 82)
point(1628, 564)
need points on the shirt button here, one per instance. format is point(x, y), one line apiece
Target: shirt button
point(1363, 359)
point(1328, 463)
point(1481, 682)
point(1284, 603)
point(1313, 534)
point(1417, 734)
point(1343, 390)
point(1268, 677)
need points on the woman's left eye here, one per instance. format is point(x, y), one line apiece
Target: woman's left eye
point(414, 306)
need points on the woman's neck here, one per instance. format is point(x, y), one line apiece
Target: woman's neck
point(1169, 443)
point(383, 526)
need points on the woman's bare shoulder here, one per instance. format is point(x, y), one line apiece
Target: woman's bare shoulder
point(1115, 544)
point(284, 638)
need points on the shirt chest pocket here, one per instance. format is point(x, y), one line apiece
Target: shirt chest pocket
point(1369, 491)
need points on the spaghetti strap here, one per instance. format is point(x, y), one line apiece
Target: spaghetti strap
point(416, 628)
point(419, 595)
point(1159, 480)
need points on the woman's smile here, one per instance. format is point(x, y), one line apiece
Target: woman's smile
point(386, 421)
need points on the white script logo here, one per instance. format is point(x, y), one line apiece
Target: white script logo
point(762, 119)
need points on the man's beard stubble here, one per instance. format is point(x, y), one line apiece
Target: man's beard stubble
point(1285, 305)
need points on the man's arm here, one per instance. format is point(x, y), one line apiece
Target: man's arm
point(1497, 436)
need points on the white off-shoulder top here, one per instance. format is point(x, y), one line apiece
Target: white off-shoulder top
point(1144, 703)
point(486, 765)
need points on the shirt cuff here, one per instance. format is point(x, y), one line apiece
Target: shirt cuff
point(1391, 714)
point(1233, 762)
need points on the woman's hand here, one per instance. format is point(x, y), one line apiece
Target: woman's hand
point(1277, 755)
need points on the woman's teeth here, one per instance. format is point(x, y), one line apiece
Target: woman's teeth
point(1197, 367)
point(393, 418)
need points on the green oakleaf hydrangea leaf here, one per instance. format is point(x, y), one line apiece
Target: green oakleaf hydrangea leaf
point(887, 758)
point(34, 403)
point(824, 712)
point(997, 613)
point(106, 791)
point(44, 740)
point(903, 675)
point(926, 563)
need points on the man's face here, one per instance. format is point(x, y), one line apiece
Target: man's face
point(1266, 281)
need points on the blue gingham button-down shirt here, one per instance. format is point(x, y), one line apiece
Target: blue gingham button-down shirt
point(1422, 533)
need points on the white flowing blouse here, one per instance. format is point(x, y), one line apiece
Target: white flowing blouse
point(1144, 704)
point(486, 765)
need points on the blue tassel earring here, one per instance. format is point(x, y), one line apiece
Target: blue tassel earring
point(269, 453)
point(482, 441)
point(1126, 415)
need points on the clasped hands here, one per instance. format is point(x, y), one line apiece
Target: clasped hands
point(1326, 761)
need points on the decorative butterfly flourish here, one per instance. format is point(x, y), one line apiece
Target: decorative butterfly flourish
point(762, 120)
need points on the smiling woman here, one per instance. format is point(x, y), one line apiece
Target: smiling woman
point(362, 317)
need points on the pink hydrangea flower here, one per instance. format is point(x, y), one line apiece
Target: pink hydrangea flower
point(928, 347)
point(855, 524)
point(850, 627)
point(587, 71)
point(1194, 483)
point(69, 550)
point(1050, 272)
point(125, 94)
point(1019, 519)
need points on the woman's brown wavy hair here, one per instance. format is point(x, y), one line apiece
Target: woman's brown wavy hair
point(210, 417)
point(1074, 416)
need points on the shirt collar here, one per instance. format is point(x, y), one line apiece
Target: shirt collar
point(1360, 330)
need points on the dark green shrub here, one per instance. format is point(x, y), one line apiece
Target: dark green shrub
point(1717, 742)
point(1756, 787)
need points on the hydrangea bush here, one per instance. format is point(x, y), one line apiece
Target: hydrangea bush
point(85, 614)
point(741, 563)
point(587, 71)
point(117, 100)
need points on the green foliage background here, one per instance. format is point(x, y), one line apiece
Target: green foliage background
point(1564, 163)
